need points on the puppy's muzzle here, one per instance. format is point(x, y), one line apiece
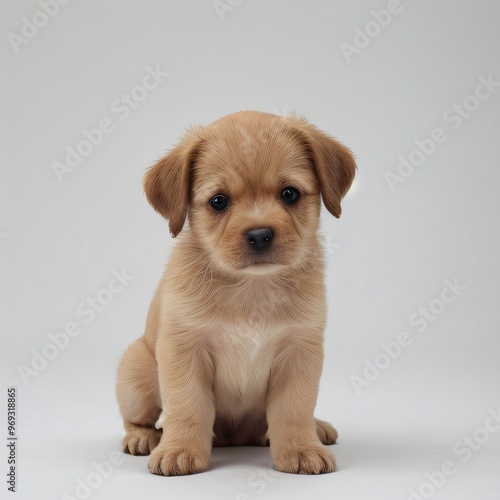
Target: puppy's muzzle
point(260, 239)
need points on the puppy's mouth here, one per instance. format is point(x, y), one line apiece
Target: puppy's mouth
point(262, 268)
point(259, 249)
point(262, 263)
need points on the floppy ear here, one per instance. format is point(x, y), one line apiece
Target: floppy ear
point(167, 183)
point(334, 164)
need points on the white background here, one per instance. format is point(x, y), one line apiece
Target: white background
point(388, 255)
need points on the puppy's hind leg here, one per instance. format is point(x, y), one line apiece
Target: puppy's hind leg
point(137, 394)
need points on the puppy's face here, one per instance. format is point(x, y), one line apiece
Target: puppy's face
point(254, 199)
point(252, 184)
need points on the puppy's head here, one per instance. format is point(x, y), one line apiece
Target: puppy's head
point(251, 185)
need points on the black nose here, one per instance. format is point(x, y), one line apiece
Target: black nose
point(260, 239)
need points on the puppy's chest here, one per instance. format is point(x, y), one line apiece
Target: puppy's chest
point(247, 330)
point(245, 341)
point(243, 355)
point(246, 337)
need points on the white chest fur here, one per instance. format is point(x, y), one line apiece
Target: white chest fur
point(243, 359)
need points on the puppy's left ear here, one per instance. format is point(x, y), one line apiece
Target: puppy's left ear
point(167, 183)
point(334, 164)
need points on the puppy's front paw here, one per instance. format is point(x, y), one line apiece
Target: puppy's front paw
point(177, 461)
point(311, 459)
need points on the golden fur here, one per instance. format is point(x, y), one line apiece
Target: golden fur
point(233, 348)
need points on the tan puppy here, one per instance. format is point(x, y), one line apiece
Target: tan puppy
point(233, 348)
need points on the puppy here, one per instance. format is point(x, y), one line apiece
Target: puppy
point(233, 348)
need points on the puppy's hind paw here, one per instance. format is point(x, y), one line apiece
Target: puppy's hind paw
point(326, 432)
point(140, 440)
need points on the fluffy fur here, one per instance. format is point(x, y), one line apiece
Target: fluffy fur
point(233, 348)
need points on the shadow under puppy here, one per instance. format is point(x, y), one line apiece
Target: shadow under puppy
point(233, 348)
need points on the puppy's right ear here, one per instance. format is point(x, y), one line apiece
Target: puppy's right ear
point(167, 183)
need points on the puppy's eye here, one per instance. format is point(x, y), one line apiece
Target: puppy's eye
point(219, 202)
point(290, 195)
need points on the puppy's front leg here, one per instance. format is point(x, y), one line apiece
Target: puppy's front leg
point(186, 387)
point(292, 394)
